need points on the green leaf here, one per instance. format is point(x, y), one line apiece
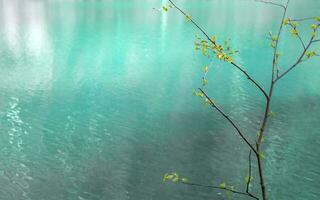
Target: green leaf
point(165, 8)
point(188, 17)
point(222, 185)
point(184, 180)
point(206, 69)
point(286, 21)
point(248, 179)
point(175, 179)
point(295, 24)
point(318, 18)
point(314, 26)
point(294, 32)
point(274, 38)
point(213, 38)
point(228, 58)
point(310, 54)
point(204, 81)
point(271, 114)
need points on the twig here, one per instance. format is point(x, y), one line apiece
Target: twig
point(265, 117)
point(303, 19)
point(314, 41)
point(249, 178)
point(297, 62)
point(229, 120)
point(299, 37)
point(214, 43)
point(270, 2)
point(221, 188)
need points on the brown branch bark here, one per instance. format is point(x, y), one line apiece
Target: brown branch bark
point(221, 188)
point(270, 2)
point(300, 59)
point(249, 173)
point(213, 105)
point(299, 37)
point(267, 109)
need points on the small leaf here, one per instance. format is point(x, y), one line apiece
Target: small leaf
point(286, 21)
point(274, 38)
point(248, 179)
point(262, 139)
point(271, 114)
point(310, 54)
point(294, 32)
point(165, 8)
point(318, 18)
point(213, 38)
point(195, 93)
point(184, 180)
point(204, 82)
point(222, 185)
point(206, 69)
point(175, 179)
point(295, 24)
point(314, 26)
point(188, 17)
point(262, 156)
point(229, 59)
point(220, 56)
point(208, 102)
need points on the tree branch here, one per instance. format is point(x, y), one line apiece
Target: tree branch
point(270, 2)
point(296, 63)
point(229, 120)
point(304, 19)
point(221, 188)
point(249, 178)
point(314, 41)
point(267, 108)
point(299, 37)
point(214, 43)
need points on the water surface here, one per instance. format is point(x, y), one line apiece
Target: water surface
point(96, 101)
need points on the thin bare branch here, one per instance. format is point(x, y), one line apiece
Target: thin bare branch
point(314, 41)
point(214, 43)
point(299, 37)
point(221, 188)
point(304, 19)
point(267, 108)
point(249, 173)
point(251, 79)
point(249, 176)
point(272, 3)
point(300, 59)
point(229, 120)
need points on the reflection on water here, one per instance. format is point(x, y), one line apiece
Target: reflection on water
point(96, 101)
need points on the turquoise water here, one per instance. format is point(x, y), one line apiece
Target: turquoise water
point(96, 101)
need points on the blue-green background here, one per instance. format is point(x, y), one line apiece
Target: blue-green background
point(96, 101)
